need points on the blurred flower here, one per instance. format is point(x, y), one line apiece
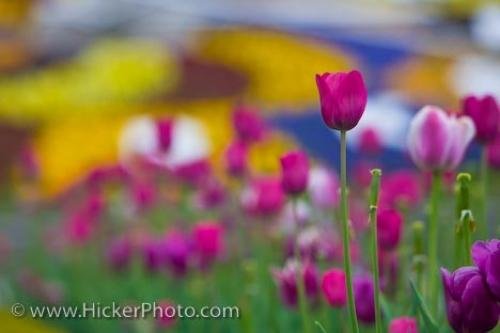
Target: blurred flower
point(178, 251)
point(211, 194)
point(470, 307)
point(83, 221)
point(324, 188)
point(364, 299)
point(209, 244)
point(165, 314)
point(194, 173)
point(118, 253)
point(286, 279)
point(486, 256)
point(294, 172)
point(486, 116)
point(403, 325)
point(438, 141)
point(138, 140)
point(358, 215)
point(143, 194)
point(248, 124)
point(343, 99)
point(333, 285)
point(164, 132)
point(263, 196)
point(389, 271)
point(401, 189)
point(104, 174)
point(294, 216)
point(152, 253)
point(236, 159)
point(370, 142)
point(389, 228)
point(494, 153)
point(361, 172)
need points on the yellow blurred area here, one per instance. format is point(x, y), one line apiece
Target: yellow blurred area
point(10, 324)
point(119, 71)
point(15, 12)
point(280, 67)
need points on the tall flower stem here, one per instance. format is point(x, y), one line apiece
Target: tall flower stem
point(464, 216)
point(345, 232)
point(433, 240)
point(302, 300)
point(484, 192)
point(374, 193)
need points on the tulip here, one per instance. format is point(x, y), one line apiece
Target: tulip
point(401, 188)
point(211, 194)
point(438, 141)
point(236, 159)
point(486, 116)
point(208, 238)
point(143, 194)
point(177, 250)
point(365, 300)
point(193, 173)
point(287, 282)
point(343, 99)
point(152, 254)
point(324, 188)
point(370, 142)
point(486, 256)
point(263, 197)
point(403, 325)
point(294, 172)
point(389, 227)
point(249, 126)
point(164, 130)
point(119, 253)
point(470, 307)
point(334, 287)
point(83, 222)
point(493, 153)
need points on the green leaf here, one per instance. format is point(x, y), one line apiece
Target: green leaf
point(430, 323)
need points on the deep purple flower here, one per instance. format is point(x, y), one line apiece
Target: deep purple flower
point(389, 228)
point(343, 99)
point(286, 279)
point(294, 172)
point(263, 197)
point(164, 129)
point(208, 238)
point(486, 116)
point(470, 306)
point(119, 253)
point(236, 159)
point(249, 125)
point(364, 299)
point(486, 256)
point(153, 253)
point(333, 285)
point(438, 141)
point(403, 325)
point(177, 247)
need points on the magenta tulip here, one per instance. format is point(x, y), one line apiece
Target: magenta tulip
point(236, 159)
point(438, 141)
point(389, 227)
point(343, 99)
point(401, 188)
point(263, 197)
point(208, 237)
point(334, 287)
point(403, 325)
point(370, 142)
point(486, 116)
point(177, 251)
point(486, 256)
point(164, 129)
point(119, 253)
point(249, 125)
point(294, 172)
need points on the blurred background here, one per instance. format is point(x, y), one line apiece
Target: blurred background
point(75, 73)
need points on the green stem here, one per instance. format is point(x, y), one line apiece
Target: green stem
point(433, 241)
point(484, 192)
point(464, 215)
point(345, 232)
point(418, 252)
point(375, 188)
point(466, 221)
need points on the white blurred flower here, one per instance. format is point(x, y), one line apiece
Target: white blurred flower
point(139, 137)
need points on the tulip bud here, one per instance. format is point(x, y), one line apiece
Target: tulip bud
point(438, 141)
point(343, 99)
point(334, 289)
point(486, 256)
point(209, 244)
point(177, 252)
point(470, 307)
point(263, 197)
point(364, 299)
point(403, 325)
point(236, 159)
point(294, 172)
point(486, 116)
point(249, 126)
point(370, 142)
point(389, 227)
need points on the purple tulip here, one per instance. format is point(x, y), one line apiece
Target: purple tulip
point(236, 159)
point(486, 116)
point(152, 253)
point(263, 197)
point(438, 141)
point(177, 249)
point(493, 152)
point(403, 325)
point(486, 256)
point(119, 253)
point(370, 142)
point(364, 299)
point(470, 307)
point(334, 288)
point(208, 238)
point(286, 279)
point(343, 99)
point(249, 126)
point(389, 228)
point(402, 187)
point(324, 188)
point(294, 172)
point(164, 129)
